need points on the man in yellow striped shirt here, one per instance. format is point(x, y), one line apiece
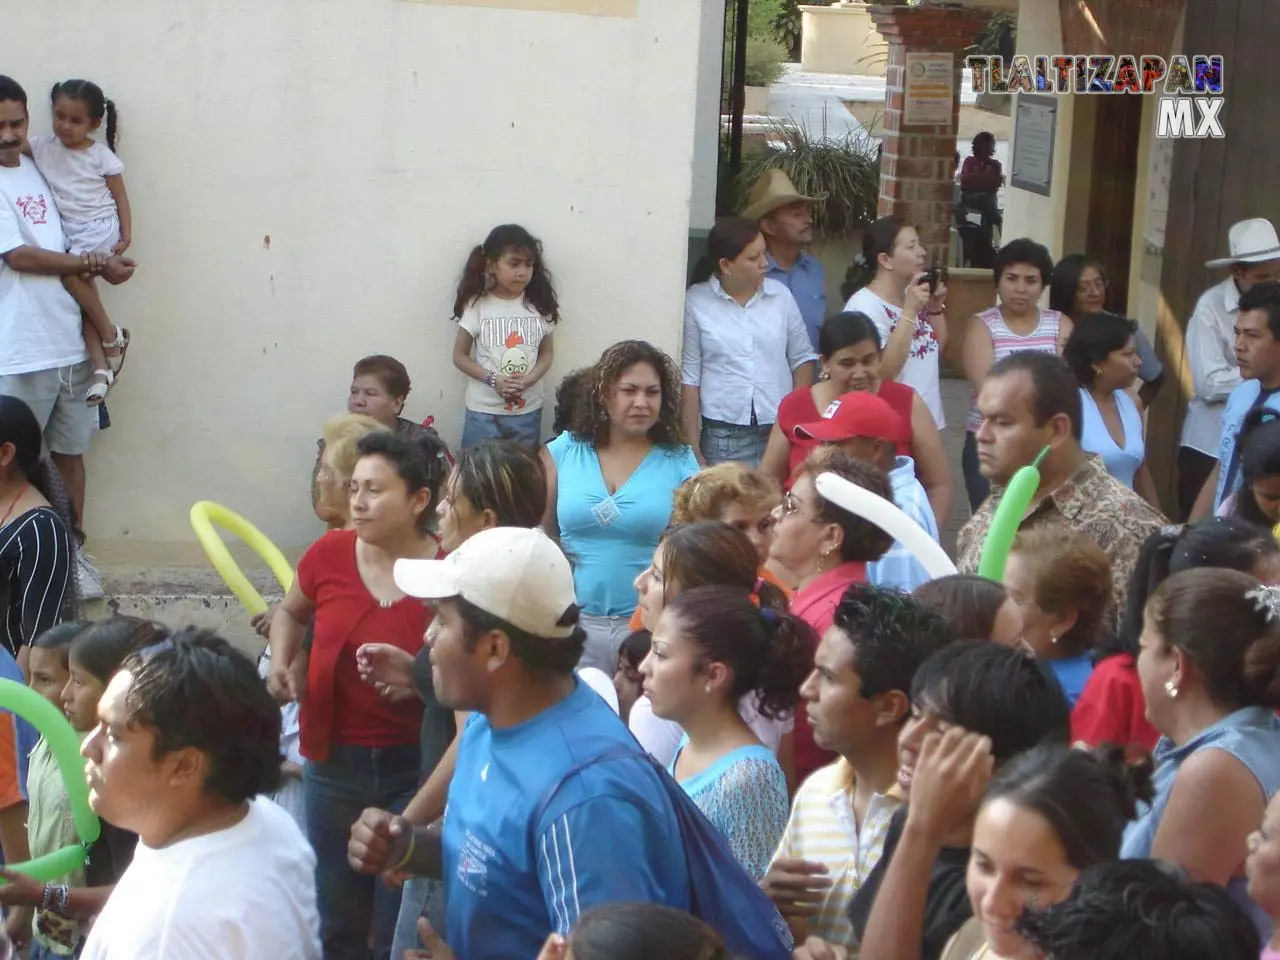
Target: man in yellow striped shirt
point(857, 700)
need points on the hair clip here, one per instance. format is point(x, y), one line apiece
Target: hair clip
point(1266, 600)
point(770, 615)
point(1171, 530)
point(163, 645)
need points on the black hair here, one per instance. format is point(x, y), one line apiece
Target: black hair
point(1023, 250)
point(19, 426)
point(984, 136)
point(541, 654)
point(422, 464)
point(11, 91)
point(102, 647)
point(880, 237)
point(892, 634)
point(95, 102)
point(643, 931)
point(59, 638)
point(1087, 797)
point(539, 294)
point(195, 690)
point(999, 692)
point(1226, 542)
point(770, 653)
point(1265, 297)
point(572, 392)
point(1094, 337)
point(1054, 389)
point(725, 241)
point(1259, 445)
point(968, 602)
point(635, 648)
point(1063, 288)
point(505, 477)
point(1141, 910)
point(846, 329)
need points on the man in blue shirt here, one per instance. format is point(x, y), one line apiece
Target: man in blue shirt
point(542, 822)
point(786, 221)
point(1257, 334)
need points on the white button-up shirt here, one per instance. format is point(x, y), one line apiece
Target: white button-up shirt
point(742, 358)
point(1211, 351)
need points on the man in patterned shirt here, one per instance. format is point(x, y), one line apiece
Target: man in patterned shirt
point(1030, 401)
point(857, 699)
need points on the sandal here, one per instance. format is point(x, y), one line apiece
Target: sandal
point(121, 344)
point(97, 392)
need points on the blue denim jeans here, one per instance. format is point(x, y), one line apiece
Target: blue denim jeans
point(523, 428)
point(353, 906)
point(39, 952)
point(976, 485)
point(422, 897)
point(722, 442)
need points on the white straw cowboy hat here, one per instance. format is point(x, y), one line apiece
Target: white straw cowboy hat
point(1250, 241)
point(774, 189)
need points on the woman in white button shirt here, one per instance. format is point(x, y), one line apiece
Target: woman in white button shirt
point(888, 284)
point(745, 348)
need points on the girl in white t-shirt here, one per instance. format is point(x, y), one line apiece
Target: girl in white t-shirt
point(889, 283)
point(506, 310)
point(87, 182)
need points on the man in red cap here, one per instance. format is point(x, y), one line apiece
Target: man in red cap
point(866, 427)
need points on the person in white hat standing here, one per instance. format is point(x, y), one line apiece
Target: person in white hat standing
point(786, 220)
point(1254, 258)
point(538, 829)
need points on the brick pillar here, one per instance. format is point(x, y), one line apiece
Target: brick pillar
point(915, 168)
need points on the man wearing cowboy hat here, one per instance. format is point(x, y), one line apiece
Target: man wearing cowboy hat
point(787, 224)
point(1211, 342)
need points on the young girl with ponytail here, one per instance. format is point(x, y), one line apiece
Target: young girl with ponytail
point(506, 310)
point(711, 648)
point(87, 181)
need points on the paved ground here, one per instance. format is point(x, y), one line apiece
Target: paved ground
point(956, 395)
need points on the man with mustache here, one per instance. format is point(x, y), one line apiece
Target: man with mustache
point(43, 359)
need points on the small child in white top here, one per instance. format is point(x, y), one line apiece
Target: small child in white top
point(289, 796)
point(87, 181)
point(506, 309)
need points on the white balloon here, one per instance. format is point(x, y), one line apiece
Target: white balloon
point(888, 517)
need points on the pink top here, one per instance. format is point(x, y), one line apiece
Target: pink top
point(1043, 339)
point(1270, 954)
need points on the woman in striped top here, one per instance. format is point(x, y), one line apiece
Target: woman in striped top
point(1022, 272)
point(36, 549)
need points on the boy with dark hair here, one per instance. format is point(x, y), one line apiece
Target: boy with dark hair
point(188, 741)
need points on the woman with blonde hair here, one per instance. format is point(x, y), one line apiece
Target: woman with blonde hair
point(331, 497)
point(1061, 588)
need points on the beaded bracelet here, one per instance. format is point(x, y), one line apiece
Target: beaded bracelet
point(491, 381)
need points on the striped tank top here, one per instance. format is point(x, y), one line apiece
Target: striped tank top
point(1044, 338)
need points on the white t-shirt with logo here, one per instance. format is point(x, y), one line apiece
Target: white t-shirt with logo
point(244, 893)
point(39, 321)
point(506, 335)
point(922, 370)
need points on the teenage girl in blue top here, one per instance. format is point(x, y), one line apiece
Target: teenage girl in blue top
point(610, 481)
point(712, 647)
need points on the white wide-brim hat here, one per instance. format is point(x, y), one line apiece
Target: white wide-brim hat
point(1250, 241)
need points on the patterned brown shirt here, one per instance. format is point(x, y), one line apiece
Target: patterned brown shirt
point(1091, 502)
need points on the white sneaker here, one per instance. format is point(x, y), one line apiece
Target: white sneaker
point(88, 579)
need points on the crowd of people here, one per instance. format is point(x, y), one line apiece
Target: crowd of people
point(654, 686)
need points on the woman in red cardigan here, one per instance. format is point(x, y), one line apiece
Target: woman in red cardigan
point(850, 349)
point(361, 748)
point(825, 549)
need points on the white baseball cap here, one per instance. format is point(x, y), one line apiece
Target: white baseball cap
point(516, 574)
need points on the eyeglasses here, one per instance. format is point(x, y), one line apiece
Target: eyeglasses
point(792, 507)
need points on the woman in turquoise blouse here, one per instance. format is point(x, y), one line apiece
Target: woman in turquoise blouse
point(610, 481)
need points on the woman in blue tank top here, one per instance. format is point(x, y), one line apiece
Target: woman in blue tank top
point(1210, 671)
point(1104, 357)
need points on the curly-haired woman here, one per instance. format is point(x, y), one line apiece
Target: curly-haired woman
point(610, 478)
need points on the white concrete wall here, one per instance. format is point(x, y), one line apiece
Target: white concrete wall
point(706, 141)
point(307, 177)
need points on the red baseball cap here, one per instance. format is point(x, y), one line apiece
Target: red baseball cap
point(854, 415)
